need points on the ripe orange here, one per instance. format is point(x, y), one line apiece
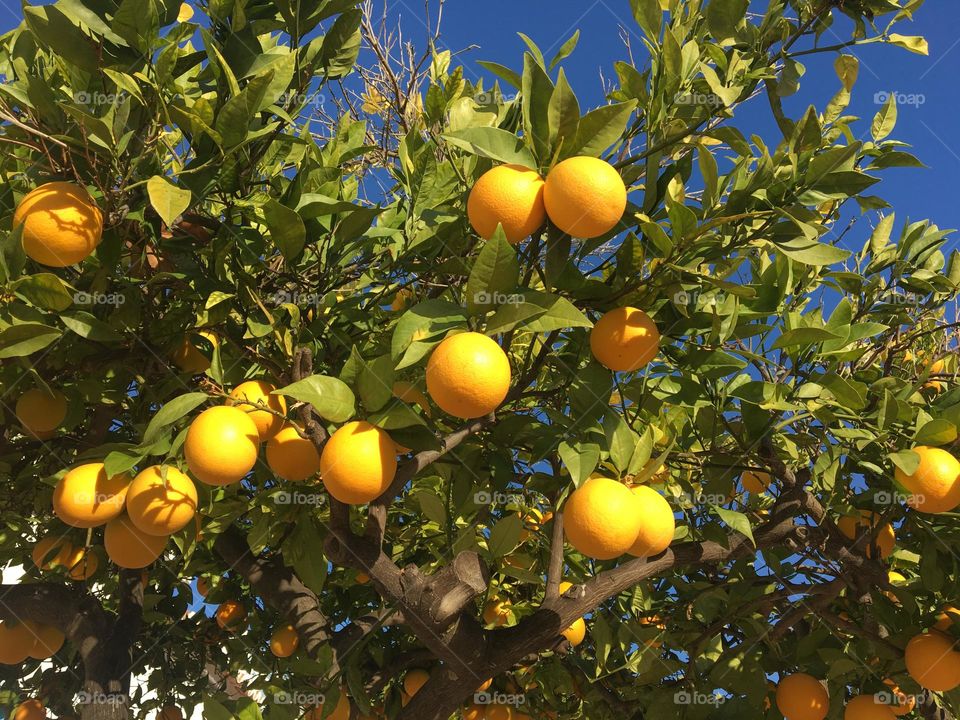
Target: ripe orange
point(51, 551)
point(508, 195)
point(47, 640)
point(602, 518)
point(576, 632)
point(625, 339)
point(222, 445)
point(130, 548)
point(41, 412)
point(657, 526)
point(498, 711)
point(947, 618)
point(16, 642)
point(62, 224)
point(358, 463)
point(485, 685)
point(865, 522)
point(81, 564)
point(203, 587)
point(31, 709)
point(362, 578)
point(585, 197)
point(802, 697)
point(468, 375)
point(284, 641)
point(866, 707)
point(475, 712)
point(256, 393)
point(188, 357)
point(161, 500)
point(903, 703)
point(932, 662)
point(230, 614)
point(291, 456)
point(935, 484)
point(170, 712)
point(414, 680)
point(755, 482)
point(85, 497)
point(496, 612)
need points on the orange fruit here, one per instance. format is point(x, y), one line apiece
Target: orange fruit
point(576, 632)
point(624, 339)
point(51, 551)
point(161, 500)
point(496, 612)
point(222, 445)
point(475, 712)
point(468, 375)
point(935, 484)
point(585, 197)
point(802, 697)
point(866, 707)
point(85, 497)
point(865, 522)
point(187, 355)
point(203, 587)
point(507, 195)
point(932, 662)
point(81, 564)
point(414, 680)
point(903, 703)
point(340, 712)
point(129, 547)
point(284, 641)
point(41, 412)
point(230, 614)
point(47, 640)
point(485, 685)
point(358, 463)
point(250, 395)
point(497, 711)
point(362, 578)
point(16, 643)
point(61, 224)
point(602, 518)
point(291, 456)
point(657, 526)
point(170, 712)
point(947, 618)
point(755, 482)
point(31, 709)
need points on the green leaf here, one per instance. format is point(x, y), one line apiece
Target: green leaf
point(649, 17)
point(233, 120)
point(493, 143)
point(375, 383)
point(341, 45)
point(330, 397)
point(848, 69)
point(563, 112)
point(286, 228)
point(213, 710)
point(171, 412)
point(599, 129)
point(886, 119)
point(535, 94)
point(505, 535)
point(536, 311)
point(495, 273)
point(907, 460)
point(913, 43)
point(89, 327)
point(566, 49)
point(735, 521)
point(44, 290)
point(812, 253)
point(936, 432)
point(621, 440)
point(579, 459)
point(803, 336)
point(25, 339)
point(723, 16)
point(424, 321)
point(167, 199)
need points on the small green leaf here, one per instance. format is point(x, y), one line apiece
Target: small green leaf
point(505, 535)
point(44, 290)
point(171, 412)
point(723, 16)
point(167, 199)
point(27, 338)
point(886, 119)
point(330, 397)
point(936, 432)
point(735, 521)
point(286, 228)
point(493, 143)
point(89, 327)
point(495, 273)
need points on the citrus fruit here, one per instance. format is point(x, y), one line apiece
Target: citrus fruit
point(498, 711)
point(161, 500)
point(62, 224)
point(657, 524)
point(934, 486)
point(291, 456)
point(576, 632)
point(130, 548)
point(947, 617)
point(203, 587)
point(414, 680)
point(47, 640)
point(51, 551)
point(902, 703)
point(755, 482)
point(222, 445)
point(85, 497)
point(802, 697)
point(362, 578)
point(585, 197)
point(16, 642)
point(170, 712)
point(253, 393)
point(40, 411)
point(81, 564)
point(468, 375)
point(230, 614)
point(507, 195)
point(475, 712)
point(341, 710)
point(602, 518)
point(932, 662)
point(284, 641)
point(485, 685)
point(31, 709)
point(188, 357)
point(358, 463)
point(496, 612)
point(866, 707)
point(624, 339)
point(864, 523)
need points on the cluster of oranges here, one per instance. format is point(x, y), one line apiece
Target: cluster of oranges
point(802, 697)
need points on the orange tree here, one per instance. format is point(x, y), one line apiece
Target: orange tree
point(292, 320)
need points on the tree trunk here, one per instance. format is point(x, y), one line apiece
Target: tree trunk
point(104, 700)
